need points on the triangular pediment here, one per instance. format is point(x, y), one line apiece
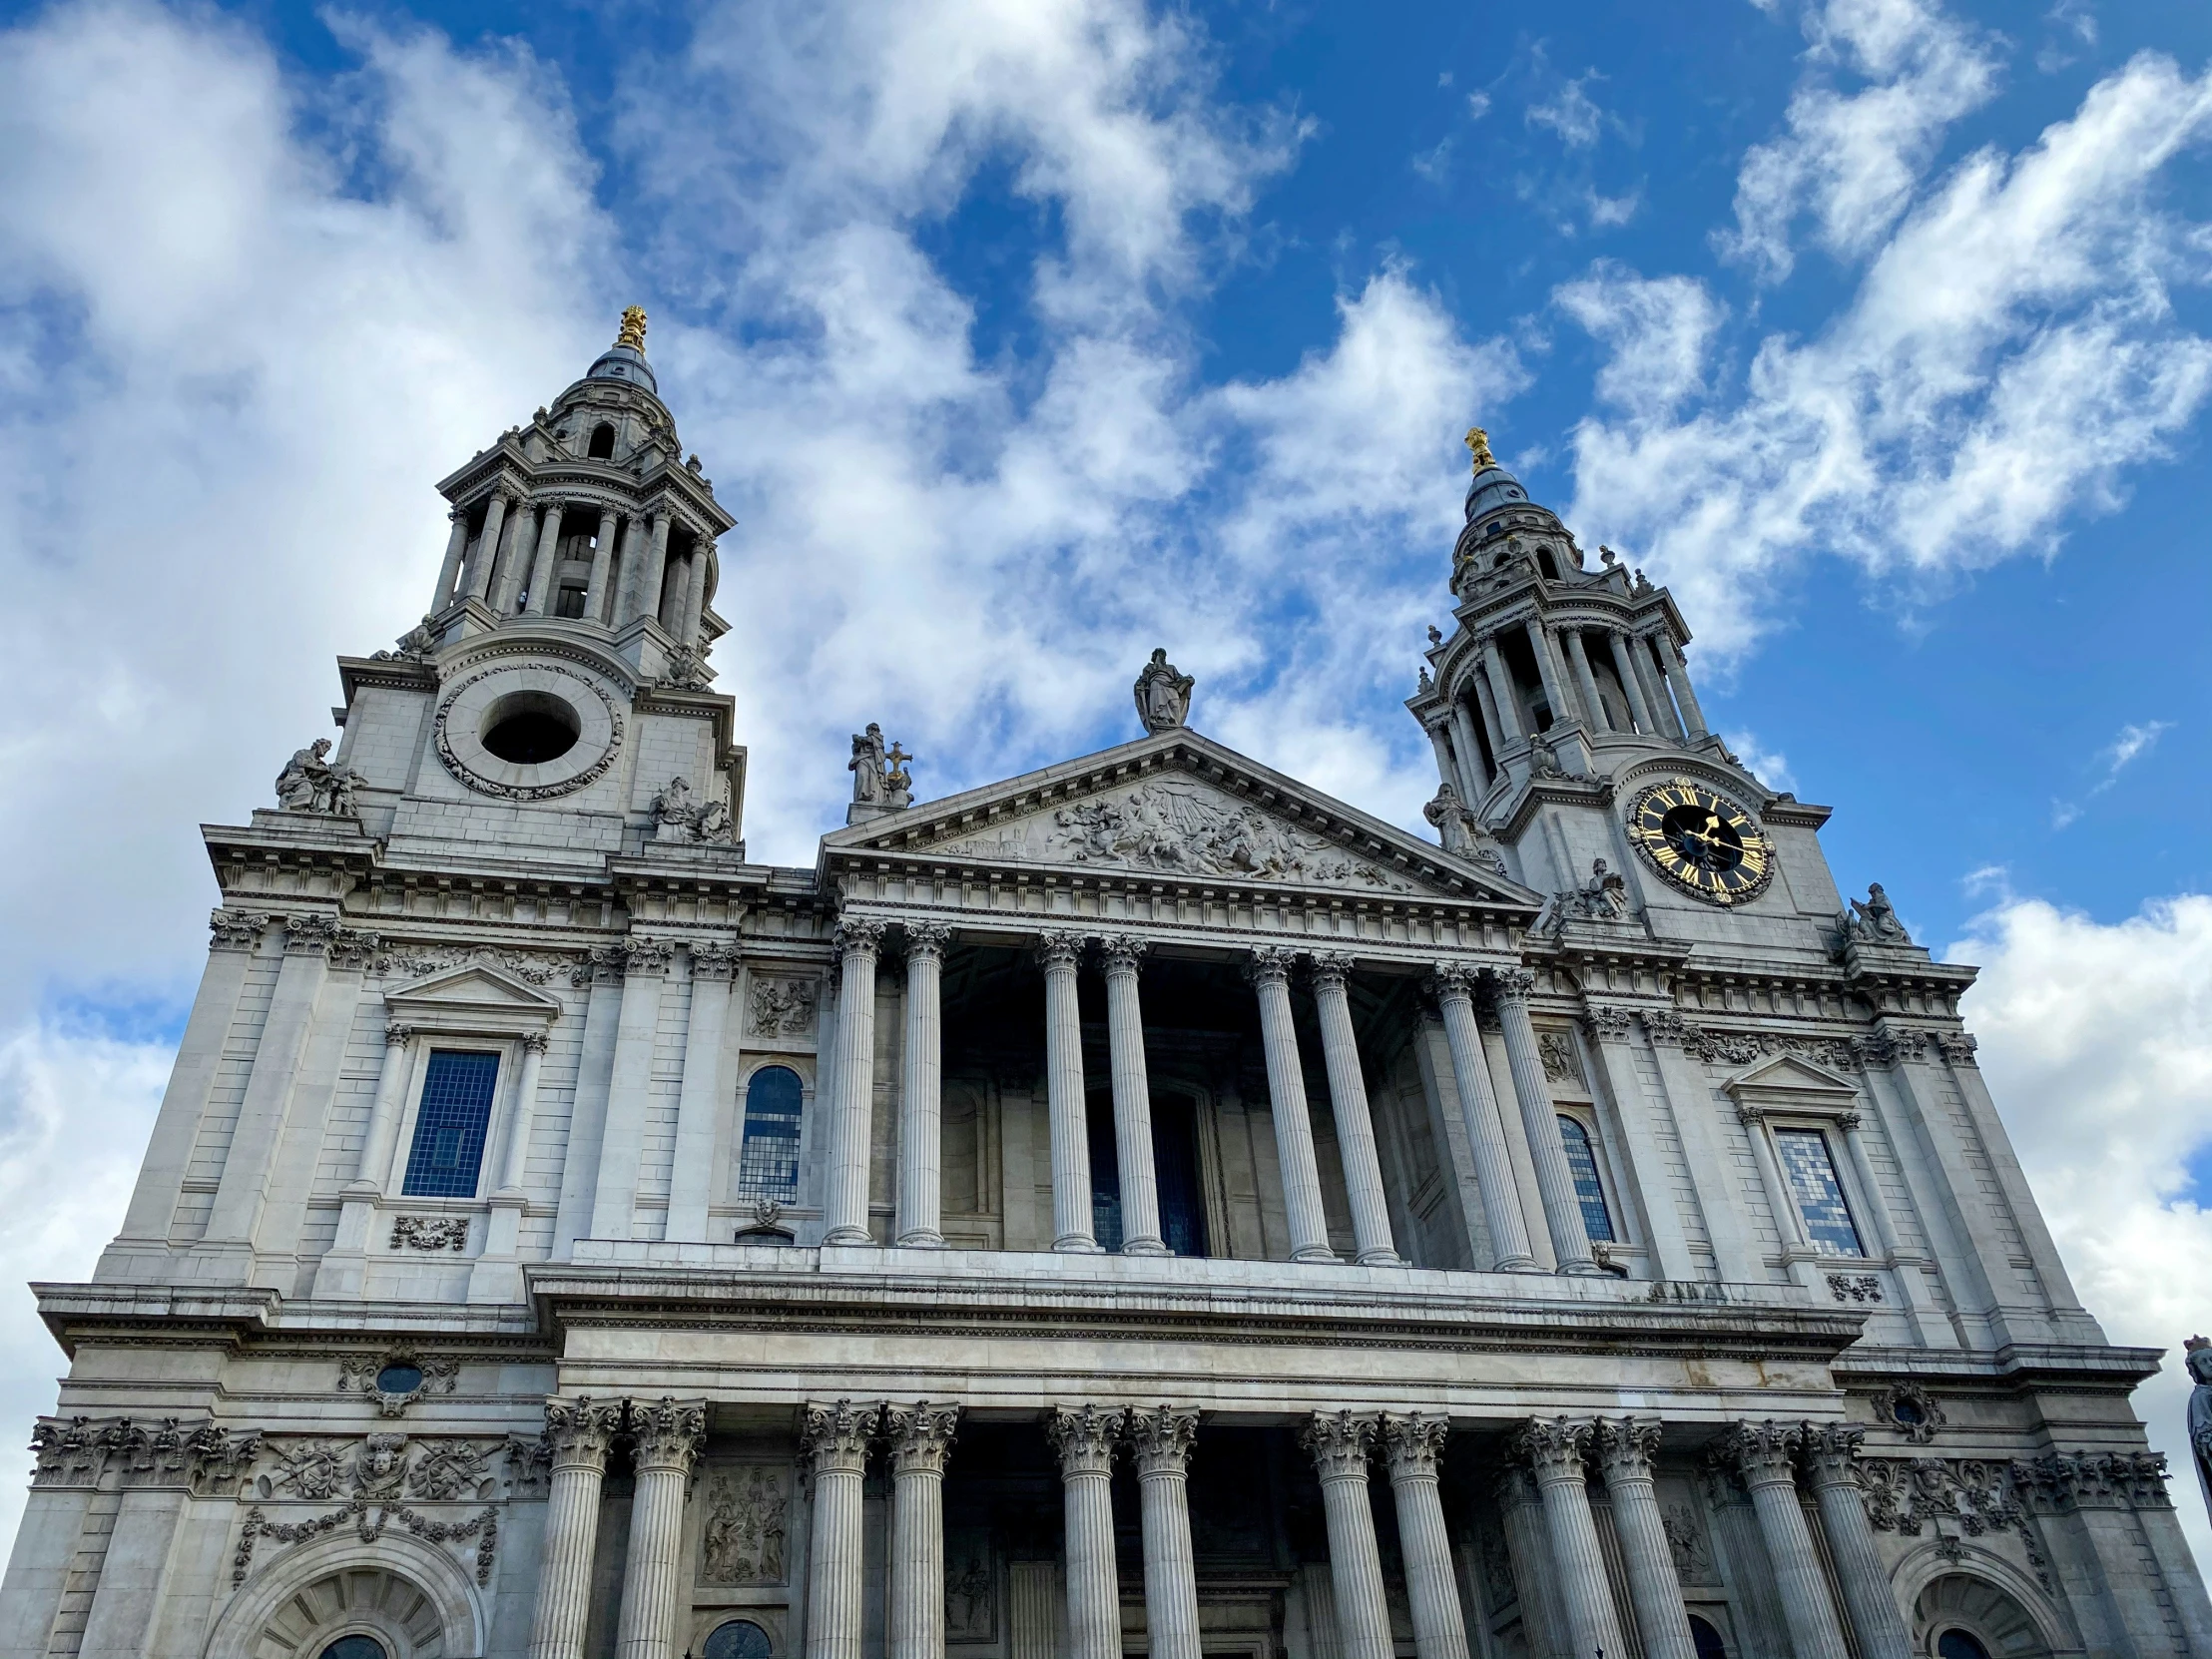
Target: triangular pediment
point(1179, 808)
point(477, 987)
point(1790, 1074)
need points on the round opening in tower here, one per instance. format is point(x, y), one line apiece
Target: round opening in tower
point(527, 727)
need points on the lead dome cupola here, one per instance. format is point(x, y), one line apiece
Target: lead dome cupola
point(625, 360)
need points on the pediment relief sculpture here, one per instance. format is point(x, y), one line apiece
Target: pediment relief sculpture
point(1178, 826)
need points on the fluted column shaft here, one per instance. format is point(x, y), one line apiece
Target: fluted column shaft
point(1677, 671)
point(1570, 1240)
point(487, 546)
point(695, 592)
point(1140, 1182)
point(920, 1438)
point(602, 566)
point(645, 599)
point(1073, 1229)
point(1585, 682)
point(579, 1432)
point(836, 1440)
point(1474, 775)
point(449, 572)
point(539, 599)
point(667, 1435)
point(1765, 1453)
point(852, 1076)
point(921, 1092)
point(515, 553)
point(1831, 1465)
point(1632, 684)
point(1085, 1439)
point(1547, 670)
point(1493, 1168)
point(1338, 1444)
point(1269, 973)
point(1624, 1452)
point(1413, 1444)
point(1655, 689)
point(1348, 1098)
point(1553, 1449)
point(1505, 700)
point(1160, 1441)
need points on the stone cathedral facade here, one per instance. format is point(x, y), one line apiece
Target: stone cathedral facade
point(1143, 1207)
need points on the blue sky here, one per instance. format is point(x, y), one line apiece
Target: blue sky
point(1023, 337)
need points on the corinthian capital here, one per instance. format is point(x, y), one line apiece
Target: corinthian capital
point(1511, 985)
point(858, 937)
point(1338, 1442)
point(920, 1437)
point(236, 930)
point(927, 938)
point(1121, 953)
point(835, 1435)
point(1552, 1447)
point(579, 1431)
point(1413, 1443)
point(1830, 1453)
point(1330, 968)
point(668, 1434)
point(1084, 1436)
point(1269, 964)
point(1059, 953)
point(1454, 979)
point(1764, 1452)
point(1160, 1438)
point(1625, 1448)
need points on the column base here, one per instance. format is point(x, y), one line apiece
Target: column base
point(1518, 1264)
point(922, 1238)
point(1381, 1259)
point(1077, 1244)
point(1580, 1270)
point(1145, 1247)
point(848, 1235)
point(1317, 1254)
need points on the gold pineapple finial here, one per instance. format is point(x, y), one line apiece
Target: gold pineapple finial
point(633, 329)
point(1480, 441)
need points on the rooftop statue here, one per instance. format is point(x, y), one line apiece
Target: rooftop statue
point(1163, 693)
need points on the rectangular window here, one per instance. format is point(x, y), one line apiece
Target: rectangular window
point(1811, 1172)
point(768, 1160)
point(570, 603)
point(451, 1124)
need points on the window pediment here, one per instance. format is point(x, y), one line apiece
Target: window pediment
point(473, 993)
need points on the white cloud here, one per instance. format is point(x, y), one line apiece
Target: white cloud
point(1573, 114)
point(1657, 333)
point(1435, 165)
point(2010, 350)
point(1853, 160)
point(2096, 1041)
point(2116, 757)
point(1478, 104)
point(1770, 766)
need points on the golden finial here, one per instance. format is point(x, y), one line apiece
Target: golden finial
point(633, 329)
point(1480, 441)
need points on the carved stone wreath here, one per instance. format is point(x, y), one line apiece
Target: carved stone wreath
point(525, 791)
point(1919, 1418)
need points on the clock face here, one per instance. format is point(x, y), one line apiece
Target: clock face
point(1702, 841)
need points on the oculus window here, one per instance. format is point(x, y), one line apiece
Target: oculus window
point(455, 1111)
point(1809, 1169)
point(739, 1639)
point(768, 1161)
point(1589, 1191)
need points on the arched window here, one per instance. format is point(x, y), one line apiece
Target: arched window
point(1957, 1644)
point(768, 1160)
point(1597, 1221)
point(739, 1639)
point(602, 443)
point(355, 1647)
point(1706, 1639)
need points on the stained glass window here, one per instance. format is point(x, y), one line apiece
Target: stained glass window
point(451, 1124)
point(1811, 1172)
point(767, 1163)
point(1597, 1221)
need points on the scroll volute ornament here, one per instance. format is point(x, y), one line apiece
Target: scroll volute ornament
point(920, 1436)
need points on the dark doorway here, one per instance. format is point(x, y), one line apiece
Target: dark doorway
point(1174, 1166)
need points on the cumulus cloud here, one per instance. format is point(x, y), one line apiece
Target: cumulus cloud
point(2096, 1041)
point(2009, 349)
point(1851, 159)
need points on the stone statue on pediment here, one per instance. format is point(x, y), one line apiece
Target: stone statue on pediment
point(1163, 693)
point(1874, 919)
point(869, 767)
point(1461, 832)
point(2199, 1359)
point(310, 782)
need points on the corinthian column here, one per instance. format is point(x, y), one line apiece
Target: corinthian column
point(1072, 1226)
point(579, 1432)
point(666, 1437)
point(1570, 1240)
point(920, 1438)
point(921, 1095)
point(1831, 1463)
point(1553, 1452)
point(1159, 1439)
point(488, 545)
point(1624, 1452)
point(1338, 1446)
point(542, 583)
point(852, 1084)
point(836, 1440)
point(602, 566)
point(1269, 973)
point(1085, 1437)
point(1347, 1096)
point(1493, 1169)
point(1413, 1443)
point(456, 544)
point(1140, 1186)
point(1765, 1453)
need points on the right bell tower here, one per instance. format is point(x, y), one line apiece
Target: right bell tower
point(1572, 749)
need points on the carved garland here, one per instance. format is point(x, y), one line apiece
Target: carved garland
point(527, 791)
point(484, 1526)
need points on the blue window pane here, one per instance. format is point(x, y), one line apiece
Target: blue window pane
point(1597, 1221)
point(451, 1124)
point(768, 1163)
point(1811, 1172)
point(739, 1639)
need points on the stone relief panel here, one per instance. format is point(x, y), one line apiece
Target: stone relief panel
point(747, 1516)
point(782, 1007)
point(971, 1589)
point(1181, 826)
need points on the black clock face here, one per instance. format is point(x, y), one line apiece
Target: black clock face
point(1702, 841)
